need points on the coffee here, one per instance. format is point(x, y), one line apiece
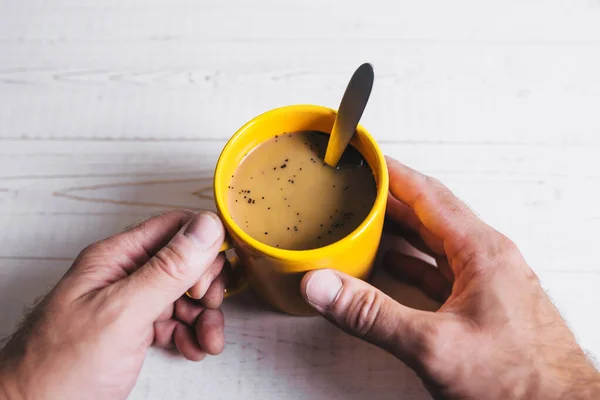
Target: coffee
point(283, 194)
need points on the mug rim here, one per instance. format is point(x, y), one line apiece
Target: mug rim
point(288, 254)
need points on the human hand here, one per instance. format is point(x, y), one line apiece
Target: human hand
point(88, 337)
point(497, 334)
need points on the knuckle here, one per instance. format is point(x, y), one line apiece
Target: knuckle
point(532, 277)
point(467, 255)
point(363, 313)
point(181, 214)
point(200, 288)
point(450, 203)
point(208, 278)
point(433, 182)
point(170, 261)
point(135, 224)
point(501, 252)
point(487, 252)
point(509, 249)
point(514, 260)
point(95, 252)
point(92, 249)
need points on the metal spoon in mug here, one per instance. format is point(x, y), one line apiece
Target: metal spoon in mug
point(351, 109)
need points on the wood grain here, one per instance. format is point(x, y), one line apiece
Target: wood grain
point(111, 111)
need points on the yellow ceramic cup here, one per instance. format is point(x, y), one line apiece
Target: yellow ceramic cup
point(275, 273)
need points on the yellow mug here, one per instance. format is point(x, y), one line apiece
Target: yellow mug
point(275, 273)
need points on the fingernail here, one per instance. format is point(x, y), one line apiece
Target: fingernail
point(323, 287)
point(204, 229)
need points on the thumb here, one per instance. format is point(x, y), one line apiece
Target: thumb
point(184, 261)
point(367, 313)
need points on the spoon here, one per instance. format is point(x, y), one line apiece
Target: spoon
point(351, 109)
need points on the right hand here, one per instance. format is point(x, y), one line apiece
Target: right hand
point(497, 334)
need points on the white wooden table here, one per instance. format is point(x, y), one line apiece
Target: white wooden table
point(111, 110)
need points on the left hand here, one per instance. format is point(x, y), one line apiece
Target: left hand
point(89, 336)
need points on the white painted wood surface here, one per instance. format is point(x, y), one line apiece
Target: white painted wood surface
point(113, 110)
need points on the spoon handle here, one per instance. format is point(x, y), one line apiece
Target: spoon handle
point(351, 109)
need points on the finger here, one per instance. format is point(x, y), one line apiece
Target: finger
point(187, 310)
point(112, 259)
point(365, 312)
point(213, 298)
point(163, 333)
point(172, 333)
point(198, 291)
point(136, 245)
point(402, 214)
point(166, 313)
point(433, 246)
point(209, 331)
point(185, 341)
point(415, 240)
point(444, 267)
point(442, 213)
point(174, 268)
point(418, 273)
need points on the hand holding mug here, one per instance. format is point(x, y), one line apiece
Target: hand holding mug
point(89, 336)
point(497, 335)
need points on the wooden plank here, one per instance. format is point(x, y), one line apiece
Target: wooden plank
point(428, 93)
point(536, 20)
point(494, 78)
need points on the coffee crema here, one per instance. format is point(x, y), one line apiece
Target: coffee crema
point(283, 194)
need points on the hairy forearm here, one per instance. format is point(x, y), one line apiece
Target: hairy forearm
point(570, 381)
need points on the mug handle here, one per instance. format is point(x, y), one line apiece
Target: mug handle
point(236, 281)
